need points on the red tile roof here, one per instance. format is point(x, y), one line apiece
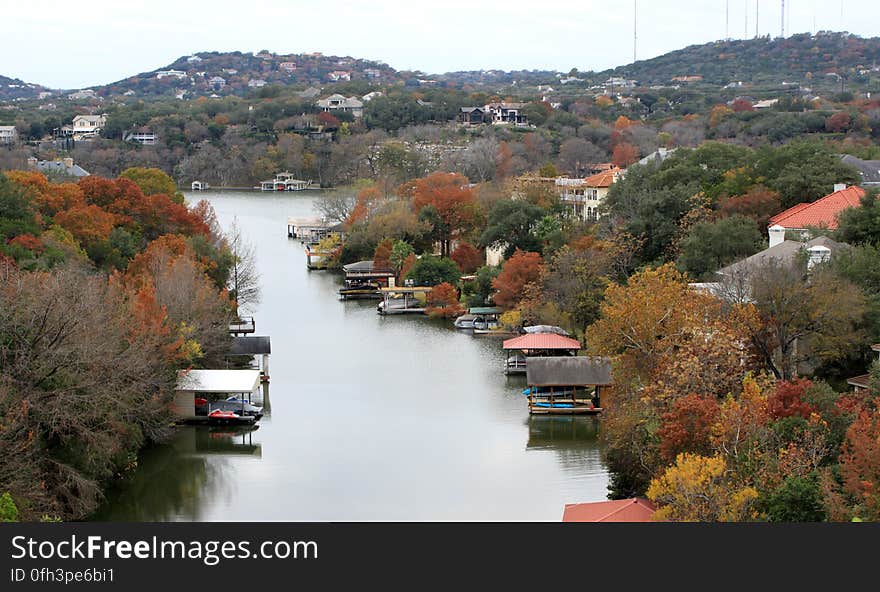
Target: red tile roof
point(629, 510)
point(541, 341)
point(822, 212)
point(603, 179)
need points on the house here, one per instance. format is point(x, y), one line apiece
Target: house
point(628, 510)
point(86, 126)
point(372, 95)
point(256, 83)
point(869, 170)
point(309, 94)
point(506, 113)
point(471, 115)
point(230, 71)
point(765, 104)
point(64, 167)
point(585, 195)
point(193, 59)
point(820, 213)
point(82, 95)
point(287, 66)
point(658, 156)
point(337, 75)
point(8, 134)
point(372, 73)
point(337, 102)
point(217, 82)
point(862, 383)
point(142, 135)
point(170, 74)
point(687, 79)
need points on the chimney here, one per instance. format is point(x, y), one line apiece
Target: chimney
point(68, 162)
point(777, 234)
point(818, 254)
point(839, 187)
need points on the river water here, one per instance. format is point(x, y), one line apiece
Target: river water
point(371, 418)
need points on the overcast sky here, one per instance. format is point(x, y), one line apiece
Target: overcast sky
point(89, 42)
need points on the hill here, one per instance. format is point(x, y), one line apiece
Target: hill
point(13, 88)
point(764, 60)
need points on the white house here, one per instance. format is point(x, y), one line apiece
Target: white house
point(170, 74)
point(88, 126)
point(288, 66)
point(82, 94)
point(193, 59)
point(256, 83)
point(141, 135)
point(338, 75)
point(8, 134)
point(217, 82)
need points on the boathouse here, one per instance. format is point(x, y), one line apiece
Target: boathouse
point(198, 393)
point(403, 300)
point(256, 348)
point(635, 509)
point(311, 231)
point(364, 279)
point(519, 349)
point(566, 385)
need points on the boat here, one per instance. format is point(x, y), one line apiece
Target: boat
point(284, 182)
point(220, 417)
point(479, 319)
point(465, 321)
point(358, 289)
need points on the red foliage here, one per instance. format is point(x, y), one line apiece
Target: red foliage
point(787, 399)
point(407, 265)
point(29, 242)
point(382, 254)
point(168, 246)
point(839, 122)
point(443, 301)
point(741, 105)
point(88, 224)
point(759, 203)
point(624, 155)
point(860, 463)
point(687, 426)
point(449, 194)
point(467, 257)
point(521, 269)
point(98, 190)
point(503, 161)
point(328, 120)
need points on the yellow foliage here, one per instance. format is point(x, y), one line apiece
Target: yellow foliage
point(511, 320)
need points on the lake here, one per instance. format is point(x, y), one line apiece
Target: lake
point(370, 418)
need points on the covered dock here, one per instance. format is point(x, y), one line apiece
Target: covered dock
point(201, 396)
point(242, 326)
point(363, 279)
point(254, 347)
point(403, 300)
point(566, 385)
point(524, 347)
point(311, 230)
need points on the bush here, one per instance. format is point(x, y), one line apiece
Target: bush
point(8, 509)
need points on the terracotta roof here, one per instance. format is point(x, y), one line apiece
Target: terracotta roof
point(541, 341)
point(629, 510)
point(862, 382)
point(822, 212)
point(603, 179)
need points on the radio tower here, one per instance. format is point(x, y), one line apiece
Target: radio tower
point(635, 27)
point(782, 28)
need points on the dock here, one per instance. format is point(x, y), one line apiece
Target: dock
point(566, 385)
point(311, 231)
point(532, 345)
point(403, 300)
point(364, 280)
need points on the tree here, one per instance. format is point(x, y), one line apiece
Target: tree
point(838, 122)
point(577, 155)
point(336, 206)
point(696, 489)
point(758, 203)
point(712, 245)
point(512, 222)
point(521, 269)
point(478, 292)
point(467, 257)
point(400, 251)
point(382, 254)
point(453, 201)
point(429, 270)
point(153, 181)
point(576, 279)
point(860, 465)
point(860, 226)
point(442, 302)
point(687, 426)
point(624, 155)
point(244, 277)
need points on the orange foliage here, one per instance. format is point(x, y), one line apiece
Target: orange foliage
point(366, 199)
point(88, 224)
point(741, 105)
point(687, 426)
point(860, 464)
point(443, 301)
point(503, 161)
point(521, 269)
point(407, 265)
point(382, 254)
point(624, 155)
point(172, 245)
point(759, 203)
point(787, 399)
point(623, 122)
point(467, 257)
point(29, 242)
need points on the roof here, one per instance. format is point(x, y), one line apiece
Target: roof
point(58, 167)
point(360, 266)
point(629, 510)
point(250, 345)
point(546, 329)
point(541, 341)
point(822, 212)
point(783, 253)
point(603, 179)
point(568, 371)
point(868, 169)
point(218, 381)
point(862, 382)
point(484, 310)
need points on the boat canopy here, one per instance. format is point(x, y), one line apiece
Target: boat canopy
point(542, 341)
point(484, 310)
point(250, 346)
point(218, 381)
point(568, 371)
point(545, 329)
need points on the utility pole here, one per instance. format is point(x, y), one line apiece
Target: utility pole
point(726, 20)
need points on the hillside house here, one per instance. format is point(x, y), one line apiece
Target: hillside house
point(287, 66)
point(337, 102)
point(372, 95)
point(142, 135)
point(193, 59)
point(820, 213)
point(869, 170)
point(8, 134)
point(64, 167)
point(81, 95)
point(87, 126)
point(217, 82)
point(472, 115)
point(585, 195)
point(339, 75)
point(170, 74)
point(256, 83)
point(506, 114)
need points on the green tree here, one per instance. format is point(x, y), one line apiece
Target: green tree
point(8, 509)
point(431, 271)
point(478, 291)
point(858, 226)
point(712, 245)
point(513, 222)
point(153, 181)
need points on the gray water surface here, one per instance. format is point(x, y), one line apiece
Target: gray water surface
point(372, 418)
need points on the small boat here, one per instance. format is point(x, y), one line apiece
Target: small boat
point(355, 289)
point(465, 321)
point(220, 417)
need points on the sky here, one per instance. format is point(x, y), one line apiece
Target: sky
point(90, 42)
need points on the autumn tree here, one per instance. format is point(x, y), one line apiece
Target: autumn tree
point(687, 426)
point(153, 181)
point(467, 257)
point(442, 301)
point(452, 201)
point(520, 270)
point(624, 155)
